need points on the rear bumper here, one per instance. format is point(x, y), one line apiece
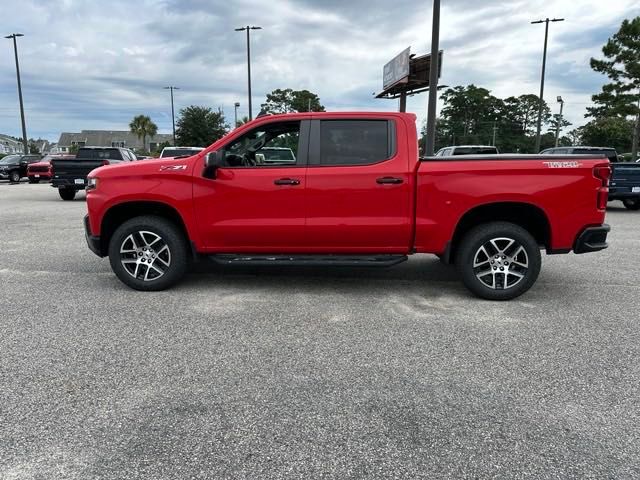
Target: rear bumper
point(93, 242)
point(592, 239)
point(67, 183)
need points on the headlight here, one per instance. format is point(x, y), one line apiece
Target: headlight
point(92, 183)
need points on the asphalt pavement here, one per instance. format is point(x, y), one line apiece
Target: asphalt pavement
point(310, 373)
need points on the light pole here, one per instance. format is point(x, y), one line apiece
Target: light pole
point(24, 128)
point(235, 114)
point(544, 64)
point(248, 28)
point(561, 102)
point(173, 115)
point(430, 139)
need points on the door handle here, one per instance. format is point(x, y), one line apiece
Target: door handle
point(389, 180)
point(287, 181)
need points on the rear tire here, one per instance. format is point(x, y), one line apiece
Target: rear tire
point(148, 253)
point(498, 261)
point(632, 203)
point(67, 193)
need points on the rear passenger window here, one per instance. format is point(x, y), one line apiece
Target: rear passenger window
point(354, 142)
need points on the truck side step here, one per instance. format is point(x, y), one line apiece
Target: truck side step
point(310, 260)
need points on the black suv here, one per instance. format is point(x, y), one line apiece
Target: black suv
point(14, 167)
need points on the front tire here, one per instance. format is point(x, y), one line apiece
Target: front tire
point(632, 203)
point(67, 193)
point(498, 261)
point(148, 253)
point(34, 180)
point(14, 177)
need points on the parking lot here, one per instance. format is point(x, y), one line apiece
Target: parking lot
point(309, 372)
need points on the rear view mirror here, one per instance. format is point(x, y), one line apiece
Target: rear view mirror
point(213, 161)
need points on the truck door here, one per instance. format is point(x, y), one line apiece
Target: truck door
point(256, 202)
point(359, 186)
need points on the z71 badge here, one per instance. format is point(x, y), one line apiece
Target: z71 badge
point(562, 164)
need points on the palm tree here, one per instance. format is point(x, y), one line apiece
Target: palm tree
point(143, 127)
point(242, 121)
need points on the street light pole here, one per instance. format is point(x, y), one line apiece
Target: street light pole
point(561, 102)
point(173, 115)
point(544, 65)
point(24, 128)
point(433, 81)
point(248, 28)
point(235, 114)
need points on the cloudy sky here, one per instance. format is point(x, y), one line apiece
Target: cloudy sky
point(96, 64)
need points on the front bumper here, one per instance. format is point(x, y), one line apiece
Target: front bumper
point(92, 241)
point(592, 239)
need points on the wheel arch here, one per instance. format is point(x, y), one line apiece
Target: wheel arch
point(120, 213)
point(528, 216)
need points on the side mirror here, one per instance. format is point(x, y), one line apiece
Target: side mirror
point(213, 161)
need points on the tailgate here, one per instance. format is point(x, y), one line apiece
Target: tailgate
point(75, 168)
point(625, 178)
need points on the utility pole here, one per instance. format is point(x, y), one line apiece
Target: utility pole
point(173, 115)
point(561, 102)
point(235, 114)
point(495, 129)
point(25, 143)
point(636, 134)
point(248, 28)
point(433, 81)
point(544, 64)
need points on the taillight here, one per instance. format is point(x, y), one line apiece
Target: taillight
point(602, 172)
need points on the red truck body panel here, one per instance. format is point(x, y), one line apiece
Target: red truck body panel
point(343, 209)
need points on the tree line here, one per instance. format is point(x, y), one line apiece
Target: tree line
point(471, 115)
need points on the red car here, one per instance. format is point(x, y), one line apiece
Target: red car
point(42, 170)
point(356, 194)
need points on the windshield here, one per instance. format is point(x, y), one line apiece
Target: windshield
point(9, 159)
point(178, 152)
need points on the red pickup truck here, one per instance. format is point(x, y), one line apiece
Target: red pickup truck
point(355, 194)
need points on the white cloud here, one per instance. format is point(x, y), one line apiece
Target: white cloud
point(86, 65)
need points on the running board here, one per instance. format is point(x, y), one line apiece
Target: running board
point(310, 260)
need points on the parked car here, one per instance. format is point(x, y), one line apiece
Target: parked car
point(357, 194)
point(625, 177)
point(610, 153)
point(70, 175)
point(14, 167)
point(172, 152)
point(42, 170)
point(276, 155)
point(467, 150)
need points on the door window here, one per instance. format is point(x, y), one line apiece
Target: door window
point(270, 145)
point(354, 142)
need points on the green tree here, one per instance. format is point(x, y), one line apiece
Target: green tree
point(142, 127)
point(621, 97)
point(242, 121)
point(200, 126)
point(608, 132)
point(289, 101)
point(33, 147)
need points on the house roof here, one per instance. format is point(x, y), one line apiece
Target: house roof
point(104, 138)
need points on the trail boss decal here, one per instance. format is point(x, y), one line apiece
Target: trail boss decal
point(562, 164)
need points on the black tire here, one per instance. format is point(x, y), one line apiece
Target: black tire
point(14, 177)
point(170, 236)
point(514, 276)
point(632, 203)
point(67, 193)
point(34, 180)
